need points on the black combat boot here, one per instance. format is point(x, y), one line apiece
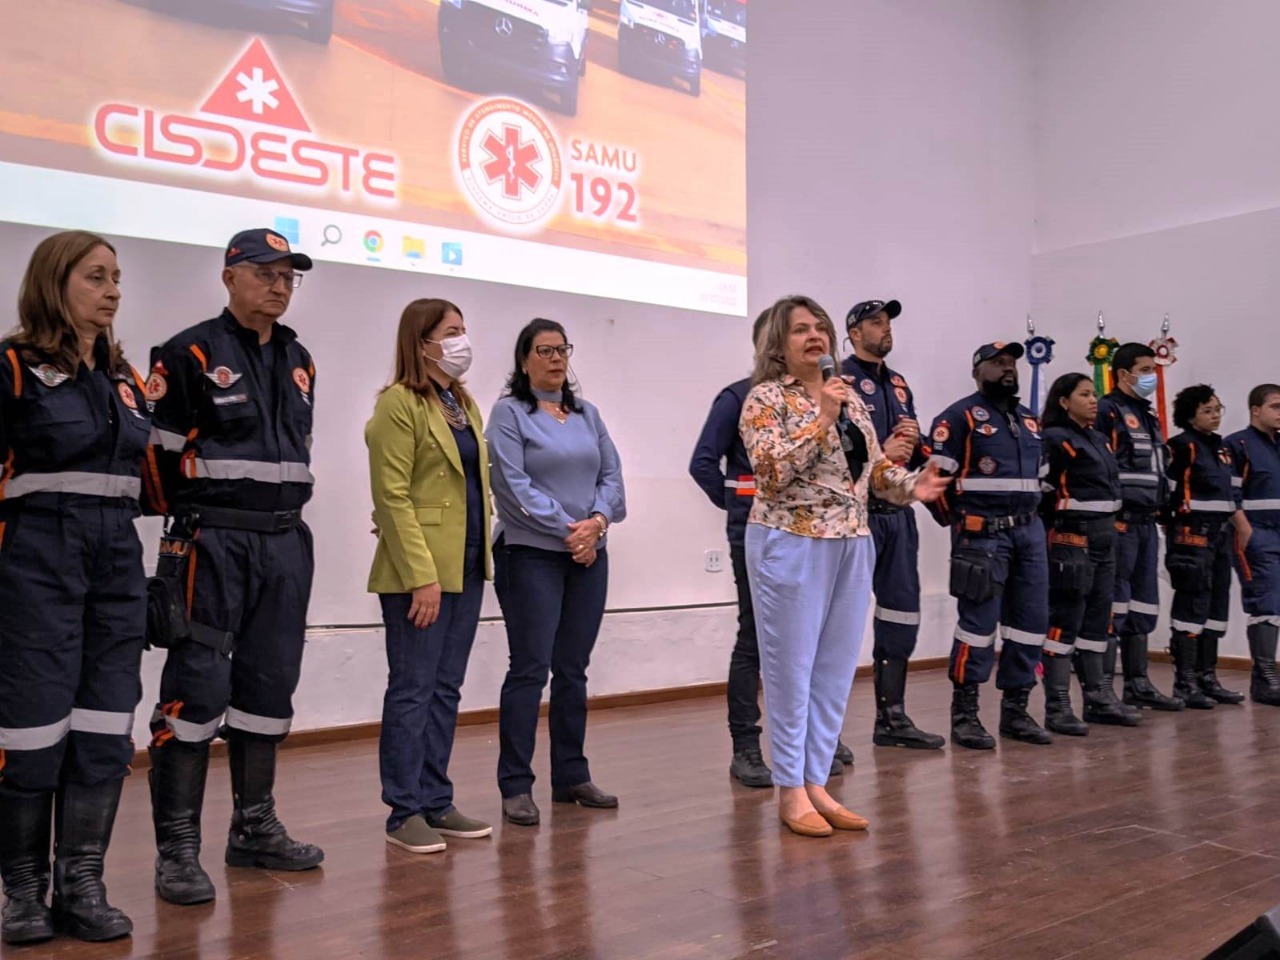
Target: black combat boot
point(1185, 649)
point(1264, 685)
point(1209, 673)
point(748, 766)
point(257, 837)
point(893, 727)
point(177, 777)
point(966, 729)
point(1101, 705)
point(1016, 723)
point(1139, 691)
point(24, 864)
point(1057, 697)
point(85, 816)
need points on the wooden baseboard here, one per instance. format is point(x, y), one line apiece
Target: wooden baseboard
point(324, 736)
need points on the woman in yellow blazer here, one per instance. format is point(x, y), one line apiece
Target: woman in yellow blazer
point(429, 471)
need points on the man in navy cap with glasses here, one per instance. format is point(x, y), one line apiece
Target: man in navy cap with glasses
point(999, 558)
point(232, 401)
point(896, 580)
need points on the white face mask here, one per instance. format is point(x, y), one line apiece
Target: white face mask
point(455, 355)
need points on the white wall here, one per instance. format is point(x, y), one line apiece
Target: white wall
point(889, 155)
point(1158, 190)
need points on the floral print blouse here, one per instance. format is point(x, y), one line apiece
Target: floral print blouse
point(803, 483)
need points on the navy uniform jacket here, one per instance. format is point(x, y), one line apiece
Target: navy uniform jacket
point(733, 487)
point(884, 392)
point(232, 422)
point(60, 433)
point(1134, 431)
point(1202, 476)
point(1257, 462)
point(995, 457)
point(1082, 479)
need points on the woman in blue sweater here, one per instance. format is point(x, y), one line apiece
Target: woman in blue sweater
point(557, 484)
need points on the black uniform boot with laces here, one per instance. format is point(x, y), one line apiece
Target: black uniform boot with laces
point(257, 837)
point(1058, 716)
point(1264, 685)
point(1101, 705)
point(893, 727)
point(748, 766)
point(24, 864)
point(1185, 650)
point(966, 729)
point(177, 778)
point(1209, 674)
point(1139, 691)
point(1016, 723)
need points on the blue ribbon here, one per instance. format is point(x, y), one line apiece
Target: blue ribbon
point(1039, 352)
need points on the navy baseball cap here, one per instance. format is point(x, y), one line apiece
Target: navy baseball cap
point(263, 246)
point(989, 351)
point(869, 308)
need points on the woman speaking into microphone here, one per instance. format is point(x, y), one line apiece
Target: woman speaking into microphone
point(809, 549)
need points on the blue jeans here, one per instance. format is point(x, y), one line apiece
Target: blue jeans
point(811, 600)
point(420, 710)
point(553, 607)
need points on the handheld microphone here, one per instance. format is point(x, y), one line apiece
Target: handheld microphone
point(827, 365)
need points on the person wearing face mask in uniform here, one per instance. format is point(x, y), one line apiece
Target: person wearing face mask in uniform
point(429, 473)
point(896, 621)
point(1126, 419)
point(999, 563)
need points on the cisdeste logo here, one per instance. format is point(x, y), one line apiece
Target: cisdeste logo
point(250, 125)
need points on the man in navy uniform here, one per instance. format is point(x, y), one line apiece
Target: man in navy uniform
point(1256, 455)
point(232, 410)
point(896, 579)
point(720, 466)
point(1126, 419)
point(999, 558)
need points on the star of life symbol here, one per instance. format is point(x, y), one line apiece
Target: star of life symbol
point(509, 164)
point(257, 90)
point(513, 161)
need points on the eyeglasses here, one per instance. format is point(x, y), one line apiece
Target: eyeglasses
point(545, 351)
point(1213, 411)
point(268, 276)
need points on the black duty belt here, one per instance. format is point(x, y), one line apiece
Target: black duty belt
point(973, 523)
point(882, 507)
point(1084, 524)
point(1139, 515)
point(258, 521)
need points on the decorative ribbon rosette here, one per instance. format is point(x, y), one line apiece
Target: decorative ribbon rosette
point(1101, 351)
point(1039, 353)
point(1166, 349)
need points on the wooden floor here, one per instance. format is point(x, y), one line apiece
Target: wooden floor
point(1151, 843)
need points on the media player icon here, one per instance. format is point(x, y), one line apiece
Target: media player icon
point(451, 254)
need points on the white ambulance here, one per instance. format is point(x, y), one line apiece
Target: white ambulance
point(661, 38)
point(517, 45)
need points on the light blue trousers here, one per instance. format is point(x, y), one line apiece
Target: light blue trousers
point(811, 599)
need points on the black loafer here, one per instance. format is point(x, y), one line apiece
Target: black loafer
point(521, 810)
point(585, 794)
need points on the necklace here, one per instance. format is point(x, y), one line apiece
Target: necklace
point(452, 412)
point(556, 409)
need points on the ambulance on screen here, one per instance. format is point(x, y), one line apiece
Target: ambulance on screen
point(724, 33)
point(525, 46)
point(661, 40)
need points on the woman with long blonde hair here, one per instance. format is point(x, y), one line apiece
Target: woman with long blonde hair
point(429, 472)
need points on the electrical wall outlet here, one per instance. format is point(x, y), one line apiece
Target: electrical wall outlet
point(713, 561)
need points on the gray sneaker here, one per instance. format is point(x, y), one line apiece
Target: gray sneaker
point(415, 836)
point(451, 823)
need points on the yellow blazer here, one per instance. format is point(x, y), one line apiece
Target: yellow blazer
point(420, 494)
